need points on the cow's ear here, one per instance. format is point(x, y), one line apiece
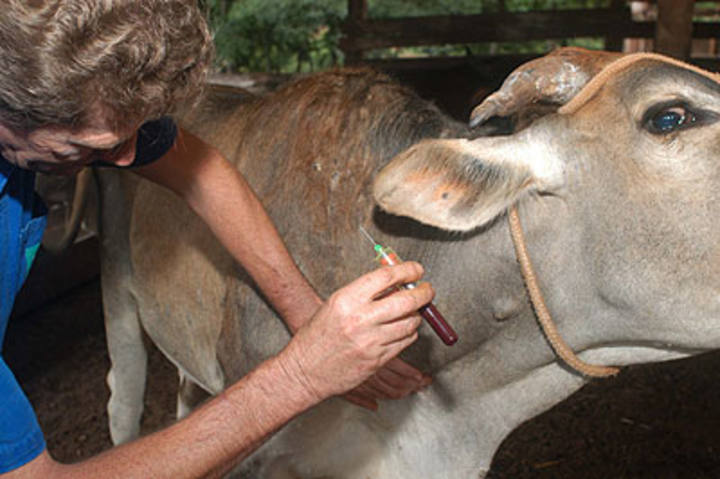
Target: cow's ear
point(450, 184)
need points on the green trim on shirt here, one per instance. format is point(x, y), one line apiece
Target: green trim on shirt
point(30, 253)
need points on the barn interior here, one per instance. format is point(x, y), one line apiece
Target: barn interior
point(651, 421)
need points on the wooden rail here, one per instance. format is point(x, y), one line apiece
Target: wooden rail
point(495, 27)
point(614, 24)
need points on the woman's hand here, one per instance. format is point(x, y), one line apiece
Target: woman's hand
point(395, 380)
point(357, 331)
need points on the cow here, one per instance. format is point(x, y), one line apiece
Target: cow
point(606, 166)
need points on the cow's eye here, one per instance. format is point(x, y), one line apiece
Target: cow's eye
point(668, 119)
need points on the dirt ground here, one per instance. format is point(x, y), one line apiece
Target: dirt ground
point(658, 421)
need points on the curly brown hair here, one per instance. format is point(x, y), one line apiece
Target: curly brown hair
point(133, 60)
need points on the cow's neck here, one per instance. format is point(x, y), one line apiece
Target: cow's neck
point(488, 287)
point(560, 347)
point(480, 288)
point(518, 348)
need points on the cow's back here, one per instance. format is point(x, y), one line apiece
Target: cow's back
point(311, 152)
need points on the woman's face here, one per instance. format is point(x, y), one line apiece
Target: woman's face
point(65, 150)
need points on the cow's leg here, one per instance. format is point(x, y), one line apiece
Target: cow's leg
point(190, 395)
point(128, 368)
point(124, 334)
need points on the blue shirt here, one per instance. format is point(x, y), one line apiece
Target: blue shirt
point(22, 222)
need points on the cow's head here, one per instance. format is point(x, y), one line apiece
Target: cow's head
point(634, 159)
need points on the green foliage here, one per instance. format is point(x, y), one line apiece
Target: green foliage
point(279, 35)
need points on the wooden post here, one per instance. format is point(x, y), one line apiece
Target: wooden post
point(357, 9)
point(357, 13)
point(614, 41)
point(673, 33)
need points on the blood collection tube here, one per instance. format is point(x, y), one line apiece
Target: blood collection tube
point(387, 257)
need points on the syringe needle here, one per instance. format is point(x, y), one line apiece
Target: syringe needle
point(367, 235)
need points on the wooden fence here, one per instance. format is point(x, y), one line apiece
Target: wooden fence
point(614, 24)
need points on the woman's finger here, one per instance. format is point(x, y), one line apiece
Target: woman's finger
point(372, 284)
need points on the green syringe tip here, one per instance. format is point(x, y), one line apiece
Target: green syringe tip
point(378, 248)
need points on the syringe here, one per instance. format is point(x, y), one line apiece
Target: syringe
point(387, 257)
